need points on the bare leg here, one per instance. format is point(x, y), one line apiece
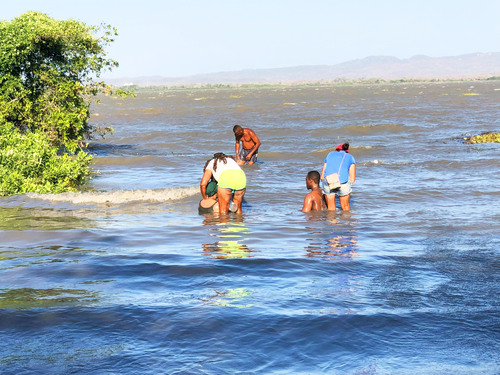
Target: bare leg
point(344, 202)
point(224, 196)
point(238, 199)
point(330, 202)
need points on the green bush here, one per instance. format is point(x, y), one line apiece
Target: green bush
point(48, 72)
point(30, 163)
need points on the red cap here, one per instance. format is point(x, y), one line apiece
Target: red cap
point(339, 148)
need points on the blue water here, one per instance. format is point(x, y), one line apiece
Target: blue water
point(129, 279)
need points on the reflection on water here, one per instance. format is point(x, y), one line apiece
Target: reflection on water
point(226, 250)
point(27, 298)
point(12, 258)
point(337, 239)
point(43, 277)
point(332, 237)
point(230, 231)
point(231, 298)
point(20, 218)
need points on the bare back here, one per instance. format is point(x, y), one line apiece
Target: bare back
point(313, 201)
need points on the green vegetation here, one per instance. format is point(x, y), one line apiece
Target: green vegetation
point(29, 162)
point(488, 137)
point(48, 72)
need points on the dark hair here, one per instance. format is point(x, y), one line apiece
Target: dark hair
point(345, 146)
point(218, 156)
point(313, 176)
point(236, 128)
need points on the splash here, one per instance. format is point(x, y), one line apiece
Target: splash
point(118, 197)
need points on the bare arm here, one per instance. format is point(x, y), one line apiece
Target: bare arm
point(204, 181)
point(323, 171)
point(352, 173)
point(256, 142)
point(237, 149)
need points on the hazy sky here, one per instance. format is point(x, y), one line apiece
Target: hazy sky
point(175, 38)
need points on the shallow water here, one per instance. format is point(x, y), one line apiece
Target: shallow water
point(129, 279)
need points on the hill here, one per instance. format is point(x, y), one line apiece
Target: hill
point(470, 66)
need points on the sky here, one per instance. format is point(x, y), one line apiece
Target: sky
point(177, 38)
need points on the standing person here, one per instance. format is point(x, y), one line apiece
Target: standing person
point(314, 200)
point(231, 181)
point(249, 145)
point(343, 163)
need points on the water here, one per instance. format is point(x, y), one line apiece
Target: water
point(129, 279)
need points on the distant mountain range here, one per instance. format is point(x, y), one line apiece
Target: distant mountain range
point(470, 66)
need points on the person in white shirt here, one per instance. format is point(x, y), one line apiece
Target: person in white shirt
point(231, 181)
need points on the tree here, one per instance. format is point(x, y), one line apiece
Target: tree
point(48, 75)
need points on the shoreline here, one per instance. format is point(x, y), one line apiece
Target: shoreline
point(298, 84)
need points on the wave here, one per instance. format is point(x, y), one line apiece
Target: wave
point(107, 149)
point(135, 161)
point(375, 129)
point(118, 197)
point(356, 151)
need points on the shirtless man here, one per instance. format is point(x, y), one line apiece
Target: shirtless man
point(250, 145)
point(313, 200)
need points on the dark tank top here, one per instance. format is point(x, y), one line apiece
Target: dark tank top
point(206, 210)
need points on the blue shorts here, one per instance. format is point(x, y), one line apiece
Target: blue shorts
point(243, 155)
point(343, 190)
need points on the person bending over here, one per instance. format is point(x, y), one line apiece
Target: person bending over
point(339, 162)
point(231, 181)
point(250, 143)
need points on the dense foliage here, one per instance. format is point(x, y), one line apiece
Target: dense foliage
point(48, 74)
point(30, 163)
